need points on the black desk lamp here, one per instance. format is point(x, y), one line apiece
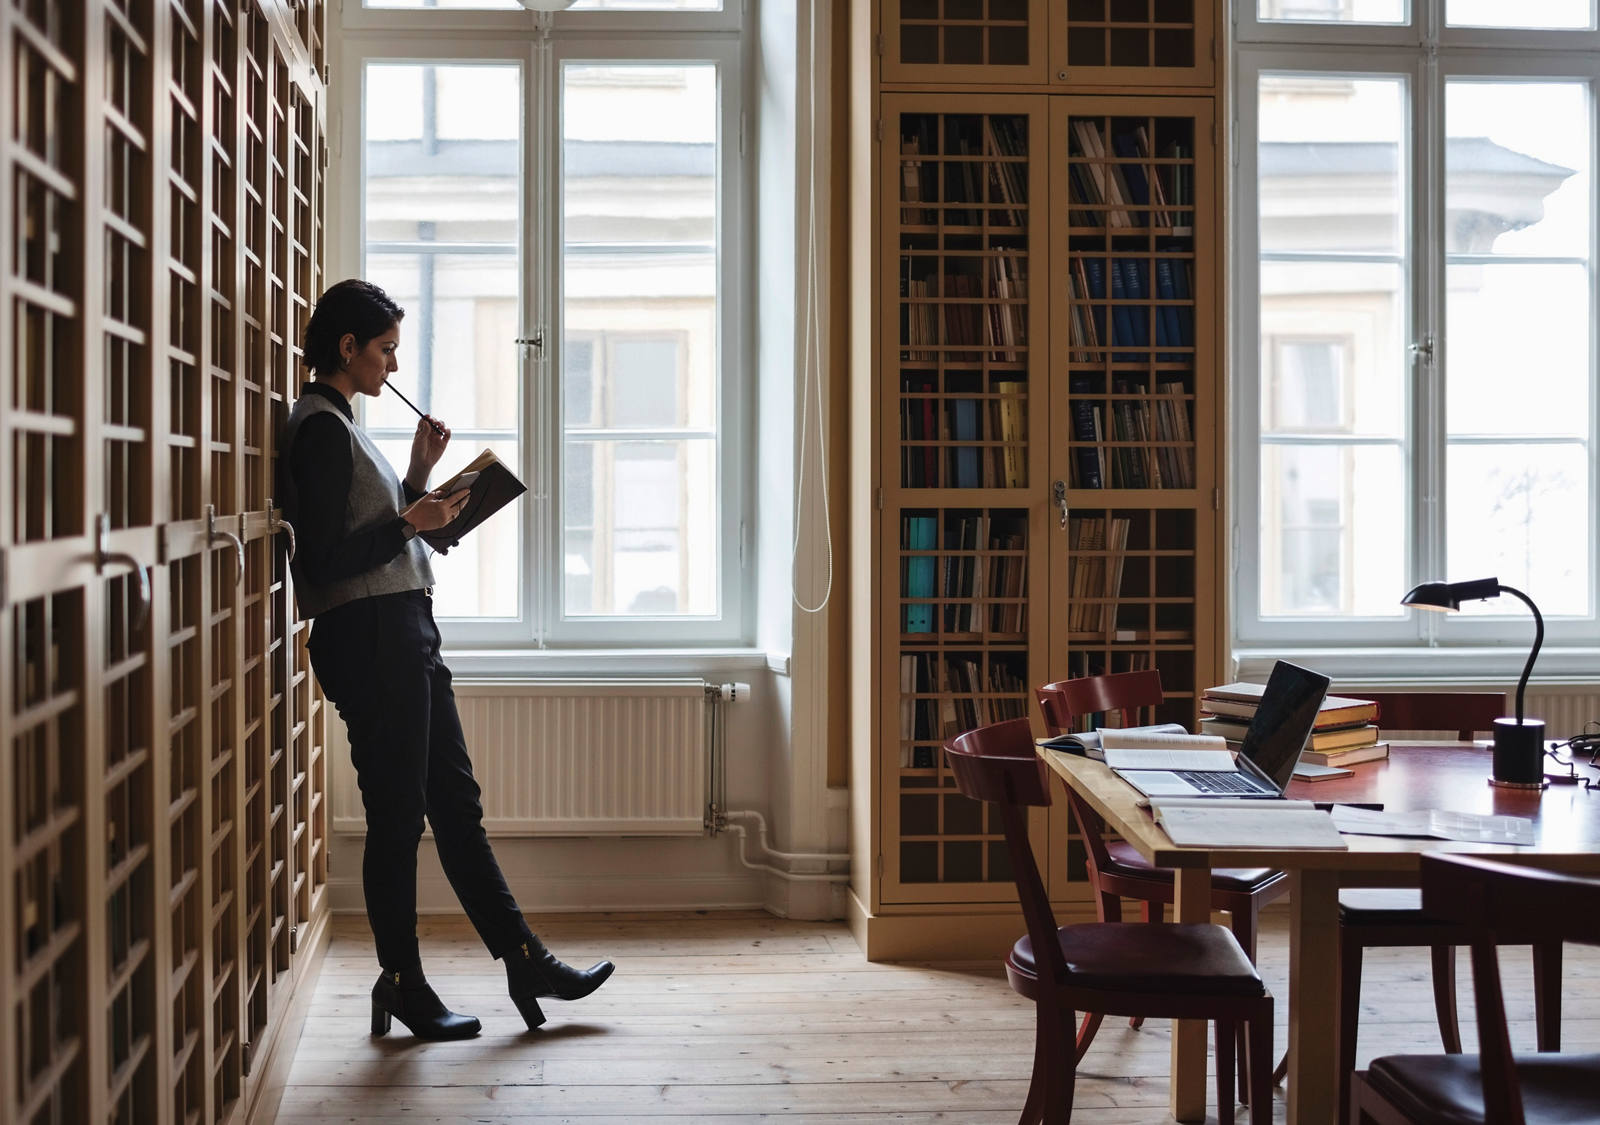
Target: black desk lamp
point(1518, 742)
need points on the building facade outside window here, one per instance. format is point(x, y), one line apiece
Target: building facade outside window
point(1414, 362)
point(556, 200)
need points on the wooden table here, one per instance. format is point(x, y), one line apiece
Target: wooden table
point(1418, 776)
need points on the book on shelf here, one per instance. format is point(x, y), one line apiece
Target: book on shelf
point(967, 468)
point(491, 486)
point(1241, 699)
point(919, 534)
point(1354, 755)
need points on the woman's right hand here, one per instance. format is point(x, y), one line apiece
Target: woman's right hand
point(435, 510)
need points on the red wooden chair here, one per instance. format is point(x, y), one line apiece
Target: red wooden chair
point(1493, 904)
point(1378, 917)
point(1160, 970)
point(1116, 870)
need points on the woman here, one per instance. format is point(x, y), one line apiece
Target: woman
point(363, 576)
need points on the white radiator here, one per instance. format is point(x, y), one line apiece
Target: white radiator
point(570, 758)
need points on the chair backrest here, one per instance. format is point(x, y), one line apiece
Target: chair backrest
point(1502, 903)
point(998, 764)
point(1132, 696)
point(1461, 712)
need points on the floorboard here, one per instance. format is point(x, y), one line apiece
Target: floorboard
point(739, 1019)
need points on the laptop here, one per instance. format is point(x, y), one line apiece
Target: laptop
point(1271, 746)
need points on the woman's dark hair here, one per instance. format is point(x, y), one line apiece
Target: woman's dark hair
point(352, 307)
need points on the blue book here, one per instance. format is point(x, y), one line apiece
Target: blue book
point(1094, 275)
point(1121, 315)
point(1085, 441)
point(1127, 146)
point(1184, 311)
point(965, 429)
point(1133, 281)
point(920, 532)
point(1167, 323)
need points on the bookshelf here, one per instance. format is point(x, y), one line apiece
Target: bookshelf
point(1043, 384)
point(146, 610)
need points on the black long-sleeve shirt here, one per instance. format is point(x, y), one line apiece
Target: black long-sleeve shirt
point(322, 467)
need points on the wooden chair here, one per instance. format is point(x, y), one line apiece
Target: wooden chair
point(1116, 870)
point(1494, 904)
point(1160, 970)
point(1374, 918)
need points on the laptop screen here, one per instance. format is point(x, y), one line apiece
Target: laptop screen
point(1283, 720)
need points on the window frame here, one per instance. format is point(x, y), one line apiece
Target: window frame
point(539, 45)
point(1407, 646)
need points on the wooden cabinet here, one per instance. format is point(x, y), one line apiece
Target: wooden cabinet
point(162, 821)
point(1044, 481)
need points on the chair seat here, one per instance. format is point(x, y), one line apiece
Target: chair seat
point(1193, 958)
point(1448, 1089)
point(1126, 860)
point(1383, 906)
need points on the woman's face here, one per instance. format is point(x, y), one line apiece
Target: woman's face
point(368, 368)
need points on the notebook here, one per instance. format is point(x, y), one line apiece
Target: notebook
point(1267, 757)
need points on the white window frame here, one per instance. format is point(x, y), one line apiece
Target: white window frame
point(539, 45)
point(1417, 646)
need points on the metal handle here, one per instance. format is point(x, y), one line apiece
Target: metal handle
point(102, 529)
point(213, 534)
point(1060, 492)
point(277, 523)
point(534, 341)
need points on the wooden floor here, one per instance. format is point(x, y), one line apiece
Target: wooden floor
point(742, 1018)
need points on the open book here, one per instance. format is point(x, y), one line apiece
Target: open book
point(1246, 824)
point(492, 485)
point(1088, 743)
point(1132, 749)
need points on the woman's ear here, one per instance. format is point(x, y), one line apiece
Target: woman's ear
point(347, 349)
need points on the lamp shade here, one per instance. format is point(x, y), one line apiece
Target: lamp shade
point(1447, 596)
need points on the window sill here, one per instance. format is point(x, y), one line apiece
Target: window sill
point(1419, 666)
point(713, 664)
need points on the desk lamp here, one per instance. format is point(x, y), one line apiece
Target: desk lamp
point(1518, 742)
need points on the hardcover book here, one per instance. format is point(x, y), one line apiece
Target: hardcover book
point(493, 486)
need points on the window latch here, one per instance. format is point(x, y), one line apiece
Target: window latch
point(1423, 350)
point(534, 341)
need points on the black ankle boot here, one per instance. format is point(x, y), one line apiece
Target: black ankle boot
point(532, 971)
point(406, 996)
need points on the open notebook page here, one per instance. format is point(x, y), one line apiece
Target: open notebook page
point(1263, 824)
point(1128, 751)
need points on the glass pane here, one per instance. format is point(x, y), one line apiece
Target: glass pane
point(1332, 354)
point(442, 153)
point(1518, 357)
point(1332, 528)
point(441, 192)
point(640, 523)
point(497, 5)
point(1523, 13)
point(1517, 168)
point(1335, 11)
point(640, 360)
point(1520, 513)
point(479, 578)
point(1331, 164)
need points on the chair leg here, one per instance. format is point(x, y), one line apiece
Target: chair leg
point(1226, 1031)
point(1152, 912)
point(1244, 925)
point(1258, 1055)
point(1444, 997)
point(1086, 1033)
point(1547, 995)
point(1350, 951)
point(1034, 1106)
point(1051, 1050)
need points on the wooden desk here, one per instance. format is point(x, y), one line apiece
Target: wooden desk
point(1419, 776)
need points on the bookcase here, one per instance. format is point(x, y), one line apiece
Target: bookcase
point(1043, 384)
point(162, 825)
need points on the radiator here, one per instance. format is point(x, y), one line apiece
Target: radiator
point(570, 758)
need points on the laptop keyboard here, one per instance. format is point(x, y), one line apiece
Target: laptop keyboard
point(1209, 782)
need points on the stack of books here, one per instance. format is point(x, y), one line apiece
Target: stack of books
point(1346, 730)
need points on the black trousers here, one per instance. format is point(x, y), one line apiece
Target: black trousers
point(378, 661)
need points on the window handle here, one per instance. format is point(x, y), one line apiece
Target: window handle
point(1423, 349)
point(534, 341)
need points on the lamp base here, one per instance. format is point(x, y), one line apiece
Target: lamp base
point(1519, 753)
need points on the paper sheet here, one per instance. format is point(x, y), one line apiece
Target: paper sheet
point(1259, 824)
point(1210, 761)
point(1438, 824)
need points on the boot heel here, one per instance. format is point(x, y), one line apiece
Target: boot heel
point(380, 1019)
point(532, 1014)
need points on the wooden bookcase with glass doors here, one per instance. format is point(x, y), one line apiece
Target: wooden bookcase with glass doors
point(1047, 411)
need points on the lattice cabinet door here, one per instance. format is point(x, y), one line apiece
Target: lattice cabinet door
point(1140, 43)
point(963, 41)
point(963, 366)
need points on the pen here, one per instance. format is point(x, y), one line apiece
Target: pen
point(438, 429)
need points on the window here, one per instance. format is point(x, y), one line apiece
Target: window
point(1413, 337)
point(554, 203)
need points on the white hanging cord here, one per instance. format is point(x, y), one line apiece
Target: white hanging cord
point(810, 378)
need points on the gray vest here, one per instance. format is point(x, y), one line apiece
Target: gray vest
point(376, 497)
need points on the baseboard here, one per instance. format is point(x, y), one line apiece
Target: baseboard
point(945, 934)
point(277, 1058)
point(580, 894)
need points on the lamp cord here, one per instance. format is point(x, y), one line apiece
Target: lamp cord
point(1538, 639)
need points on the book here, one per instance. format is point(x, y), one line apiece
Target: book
point(1087, 744)
point(1307, 771)
point(1241, 699)
point(1372, 752)
point(1247, 824)
point(1338, 738)
point(491, 488)
point(1439, 824)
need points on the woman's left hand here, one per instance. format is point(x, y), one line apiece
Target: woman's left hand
point(427, 446)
